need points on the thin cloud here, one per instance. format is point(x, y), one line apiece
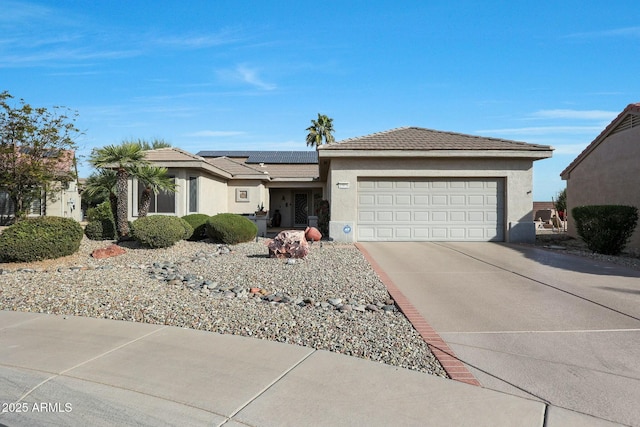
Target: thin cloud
point(200, 41)
point(575, 114)
point(63, 55)
point(18, 12)
point(615, 32)
point(247, 75)
point(251, 76)
point(213, 133)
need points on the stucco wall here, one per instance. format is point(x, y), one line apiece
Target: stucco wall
point(212, 194)
point(256, 194)
point(517, 174)
point(65, 203)
point(609, 175)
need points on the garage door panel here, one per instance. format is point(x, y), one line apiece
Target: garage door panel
point(384, 216)
point(384, 200)
point(431, 209)
point(421, 216)
point(459, 200)
point(457, 216)
point(439, 200)
point(439, 233)
point(458, 233)
point(403, 216)
point(403, 199)
point(420, 233)
point(475, 216)
point(384, 232)
point(420, 200)
point(367, 199)
point(439, 216)
point(366, 216)
point(403, 233)
point(477, 200)
point(476, 233)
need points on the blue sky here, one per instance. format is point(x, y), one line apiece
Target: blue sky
point(231, 74)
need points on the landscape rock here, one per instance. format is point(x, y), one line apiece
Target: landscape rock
point(108, 252)
point(289, 244)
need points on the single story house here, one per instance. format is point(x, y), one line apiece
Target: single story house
point(607, 172)
point(400, 185)
point(63, 200)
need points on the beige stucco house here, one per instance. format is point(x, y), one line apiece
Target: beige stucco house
point(62, 200)
point(400, 185)
point(419, 184)
point(607, 172)
point(213, 182)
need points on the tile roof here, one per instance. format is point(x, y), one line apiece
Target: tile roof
point(629, 109)
point(271, 157)
point(293, 171)
point(235, 168)
point(415, 138)
point(170, 154)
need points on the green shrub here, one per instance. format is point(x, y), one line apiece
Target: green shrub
point(101, 224)
point(100, 212)
point(160, 231)
point(101, 230)
point(198, 222)
point(35, 239)
point(605, 229)
point(231, 228)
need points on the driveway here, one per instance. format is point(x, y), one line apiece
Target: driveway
point(544, 325)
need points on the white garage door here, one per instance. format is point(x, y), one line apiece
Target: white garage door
point(430, 210)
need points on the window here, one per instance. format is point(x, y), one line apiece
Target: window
point(6, 206)
point(193, 194)
point(162, 203)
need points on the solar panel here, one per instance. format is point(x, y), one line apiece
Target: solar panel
point(270, 157)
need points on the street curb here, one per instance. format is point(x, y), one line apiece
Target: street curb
point(452, 365)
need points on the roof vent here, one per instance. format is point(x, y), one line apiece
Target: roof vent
point(629, 122)
point(261, 165)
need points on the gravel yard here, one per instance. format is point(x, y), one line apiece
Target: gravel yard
point(330, 300)
point(566, 244)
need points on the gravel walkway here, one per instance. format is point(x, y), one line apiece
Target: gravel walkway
point(330, 300)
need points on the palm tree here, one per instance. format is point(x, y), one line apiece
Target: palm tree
point(121, 158)
point(154, 144)
point(102, 186)
point(154, 179)
point(320, 129)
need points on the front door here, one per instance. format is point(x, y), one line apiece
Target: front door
point(300, 209)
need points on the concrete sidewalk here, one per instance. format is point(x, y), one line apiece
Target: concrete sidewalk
point(74, 371)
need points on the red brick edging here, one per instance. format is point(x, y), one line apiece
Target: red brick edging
point(440, 349)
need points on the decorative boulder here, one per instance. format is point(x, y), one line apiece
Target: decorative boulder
point(289, 244)
point(313, 234)
point(108, 252)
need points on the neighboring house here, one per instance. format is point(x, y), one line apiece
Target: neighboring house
point(64, 200)
point(400, 185)
point(607, 172)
